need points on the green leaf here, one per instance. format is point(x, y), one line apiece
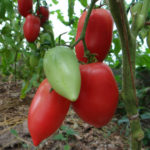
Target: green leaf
point(2, 9)
point(145, 116)
point(143, 60)
point(68, 130)
point(9, 7)
point(117, 47)
point(25, 145)
point(83, 2)
point(27, 85)
point(71, 10)
point(123, 120)
point(14, 132)
point(55, 2)
point(67, 147)
point(59, 137)
point(9, 56)
point(61, 17)
point(25, 88)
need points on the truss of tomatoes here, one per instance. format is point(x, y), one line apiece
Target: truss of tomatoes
point(90, 88)
point(31, 27)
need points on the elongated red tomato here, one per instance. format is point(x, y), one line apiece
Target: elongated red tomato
point(43, 13)
point(98, 97)
point(98, 35)
point(46, 113)
point(25, 7)
point(31, 28)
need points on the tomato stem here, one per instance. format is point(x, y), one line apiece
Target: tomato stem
point(128, 41)
point(38, 7)
point(84, 44)
point(82, 36)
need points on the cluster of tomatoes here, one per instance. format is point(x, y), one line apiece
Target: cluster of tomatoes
point(96, 94)
point(32, 23)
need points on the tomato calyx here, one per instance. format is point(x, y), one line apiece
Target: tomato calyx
point(51, 90)
point(91, 58)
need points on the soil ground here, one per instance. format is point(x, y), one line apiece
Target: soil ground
point(14, 134)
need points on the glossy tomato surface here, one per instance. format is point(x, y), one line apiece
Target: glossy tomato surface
point(31, 28)
point(98, 35)
point(98, 97)
point(61, 68)
point(44, 14)
point(46, 113)
point(25, 7)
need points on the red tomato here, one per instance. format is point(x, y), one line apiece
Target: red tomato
point(46, 113)
point(43, 13)
point(25, 7)
point(98, 97)
point(98, 35)
point(31, 28)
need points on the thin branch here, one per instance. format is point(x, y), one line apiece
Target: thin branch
point(132, 3)
point(59, 38)
point(82, 36)
point(38, 7)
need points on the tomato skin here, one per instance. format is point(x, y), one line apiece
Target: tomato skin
point(98, 35)
point(46, 113)
point(44, 14)
point(25, 7)
point(98, 97)
point(31, 28)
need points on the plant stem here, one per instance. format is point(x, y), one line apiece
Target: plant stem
point(82, 36)
point(128, 43)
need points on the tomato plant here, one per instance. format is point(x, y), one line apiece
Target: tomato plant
point(98, 35)
point(25, 7)
point(148, 40)
point(46, 113)
point(33, 60)
point(62, 71)
point(98, 97)
point(31, 28)
point(43, 13)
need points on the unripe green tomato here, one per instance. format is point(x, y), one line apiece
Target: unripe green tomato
point(136, 8)
point(140, 21)
point(34, 60)
point(148, 40)
point(62, 71)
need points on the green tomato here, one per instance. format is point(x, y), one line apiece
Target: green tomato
point(62, 71)
point(34, 60)
point(136, 8)
point(148, 40)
